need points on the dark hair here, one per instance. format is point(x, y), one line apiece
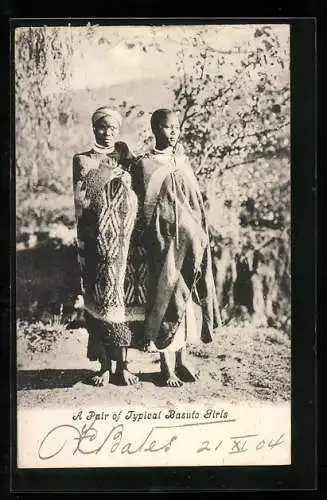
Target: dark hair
point(157, 116)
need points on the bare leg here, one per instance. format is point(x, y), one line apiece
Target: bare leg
point(122, 371)
point(103, 377)
point(150, 346)
point(185, 369)
point(168, 362)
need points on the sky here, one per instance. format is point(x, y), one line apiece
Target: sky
point(102, 65)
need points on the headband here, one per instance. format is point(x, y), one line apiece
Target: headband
point(106, 111)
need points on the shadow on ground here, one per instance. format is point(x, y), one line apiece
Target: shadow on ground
point(51, 379)
point(28, 380)
point(155, 378)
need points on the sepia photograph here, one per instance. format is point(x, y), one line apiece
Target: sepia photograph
point(153, 245)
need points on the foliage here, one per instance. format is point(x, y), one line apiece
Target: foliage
point(47, 121)
point(39, 336)
point(235, 110)
point(38, 59)
point(234, 107)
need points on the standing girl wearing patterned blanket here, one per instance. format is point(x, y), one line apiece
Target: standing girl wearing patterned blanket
point(106, 208)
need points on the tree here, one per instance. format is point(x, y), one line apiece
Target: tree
point(43, 65)
point(234, 108)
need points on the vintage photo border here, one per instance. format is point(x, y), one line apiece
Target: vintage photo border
point(302, 473)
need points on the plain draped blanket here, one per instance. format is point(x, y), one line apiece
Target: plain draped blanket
point(177, 245)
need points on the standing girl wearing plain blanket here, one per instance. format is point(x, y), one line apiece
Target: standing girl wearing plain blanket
point(182, 305)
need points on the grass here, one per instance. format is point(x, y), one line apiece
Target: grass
point(240, 364)
point(39, 336)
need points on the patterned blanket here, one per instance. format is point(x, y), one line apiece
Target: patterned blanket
point(112, 278)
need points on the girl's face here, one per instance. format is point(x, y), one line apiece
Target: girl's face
point(168, 131)
point(106, 131)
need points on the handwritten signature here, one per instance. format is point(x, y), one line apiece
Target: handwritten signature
point(89, 434)
point(88, 440)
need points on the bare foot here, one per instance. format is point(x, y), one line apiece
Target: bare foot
point(101, 379)
point(129, 378)
point(188, 373)
point(150, 347)
point(173, 381)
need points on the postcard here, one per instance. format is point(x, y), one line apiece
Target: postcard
point(153, 227)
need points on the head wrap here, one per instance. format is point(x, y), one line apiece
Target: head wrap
point(106, 111)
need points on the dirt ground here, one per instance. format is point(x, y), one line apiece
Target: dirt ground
point(242, 363)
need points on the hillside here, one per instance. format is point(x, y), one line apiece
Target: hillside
point(76, 136)
point(148, 94)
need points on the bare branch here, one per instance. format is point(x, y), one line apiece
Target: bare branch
point(221, 93)
point(244, 162)
point(229, 52)
point(208, 149)
point(260, 133)
point(187, 115)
